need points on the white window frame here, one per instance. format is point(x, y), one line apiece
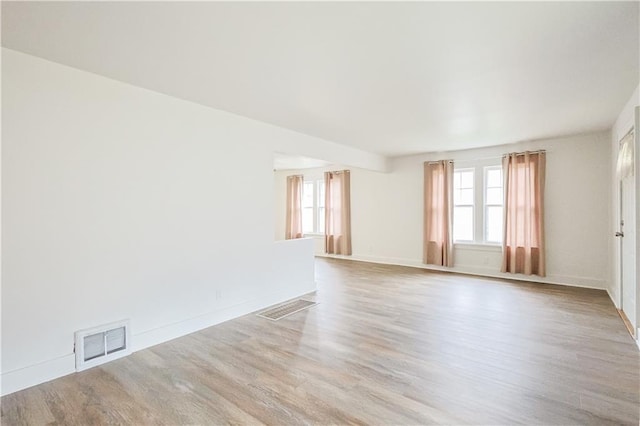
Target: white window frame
point(473, 205)
point(486, 205)
point(479, 197)
point(316, 205)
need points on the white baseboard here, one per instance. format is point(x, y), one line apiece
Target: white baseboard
point(173, 331)
point(613, 298)
point(572, 281)
point(32, 375)
point(26, 377)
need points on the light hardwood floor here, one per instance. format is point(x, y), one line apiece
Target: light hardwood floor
point(386, 345)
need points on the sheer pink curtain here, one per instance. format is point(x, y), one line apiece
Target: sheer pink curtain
point(523, 241)
point(337, 238)
point(438, 213)
point(294, 207)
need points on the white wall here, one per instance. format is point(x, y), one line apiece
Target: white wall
point(629, 117)
point(119, 202)
point(387, 210)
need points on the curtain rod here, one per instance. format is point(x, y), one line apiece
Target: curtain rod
point(540, 151)
point(438, 162)
point(488, 158)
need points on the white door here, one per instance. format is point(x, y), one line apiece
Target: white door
point(628, 250)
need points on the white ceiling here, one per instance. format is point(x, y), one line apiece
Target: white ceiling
point(295, 162)
point(391, 78)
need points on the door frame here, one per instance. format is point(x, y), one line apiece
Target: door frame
point(632, 124)
point(636, 146)
point(620, 264)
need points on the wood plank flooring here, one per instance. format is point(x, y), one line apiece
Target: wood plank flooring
point(386, 345)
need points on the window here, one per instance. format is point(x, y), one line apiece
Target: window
point(463, 194)
point(493, 201)
point(478, 186)
point(320, 207)
point(313, 207)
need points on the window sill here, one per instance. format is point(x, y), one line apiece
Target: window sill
point(479, 246)
point(314, 235)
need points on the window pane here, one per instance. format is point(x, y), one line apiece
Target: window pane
point(456, 179)
point(307, 194)
point(463, 187)
point(320, 228)
point(494, 178)
point(466, 179)
point(494, 196)
point(321, 193)
point(463, 196)
point(307, 220)
point(494, 224)
point(463, 223)
point(466, 196)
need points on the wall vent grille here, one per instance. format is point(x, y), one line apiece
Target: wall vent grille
point(284, 310)
point(97, 345)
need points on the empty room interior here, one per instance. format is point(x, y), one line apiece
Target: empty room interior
point(388, 213)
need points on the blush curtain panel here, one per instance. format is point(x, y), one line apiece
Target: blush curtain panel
point(294, 207)
point(438, 213)
point(337, 212)
point(523, 242)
